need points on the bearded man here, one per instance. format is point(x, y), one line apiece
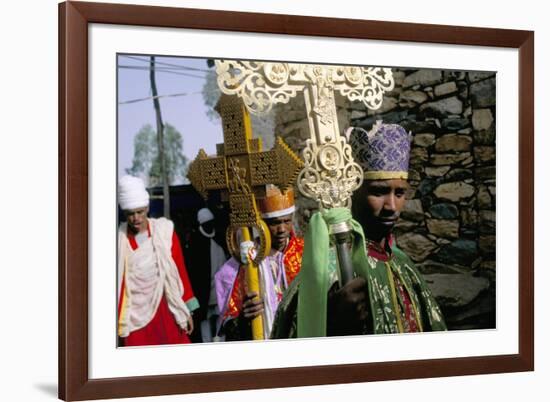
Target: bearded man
point(237, 305)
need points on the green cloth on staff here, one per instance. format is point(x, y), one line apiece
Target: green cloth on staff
point(312, 299)
point(303, 310)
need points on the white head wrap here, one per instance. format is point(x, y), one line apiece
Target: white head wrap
point(204, 215)
point(132, 193)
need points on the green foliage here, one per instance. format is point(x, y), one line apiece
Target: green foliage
point(146, 160)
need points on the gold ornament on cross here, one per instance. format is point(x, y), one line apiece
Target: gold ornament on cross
point(241, 170)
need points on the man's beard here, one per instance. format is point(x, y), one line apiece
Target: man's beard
point(280, 244)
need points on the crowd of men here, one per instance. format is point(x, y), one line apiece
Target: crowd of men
point(161, 301)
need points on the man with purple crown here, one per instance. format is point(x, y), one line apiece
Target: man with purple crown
point(387, 293)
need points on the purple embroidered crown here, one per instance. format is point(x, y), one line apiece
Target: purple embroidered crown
point(383, 152)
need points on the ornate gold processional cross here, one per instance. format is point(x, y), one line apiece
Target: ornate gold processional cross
point(330, 174)
point(241, 170)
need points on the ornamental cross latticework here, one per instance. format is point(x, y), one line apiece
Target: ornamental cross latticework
point(330, 174)
point(241, 170)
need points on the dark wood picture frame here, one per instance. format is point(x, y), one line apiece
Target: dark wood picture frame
point(74, 381)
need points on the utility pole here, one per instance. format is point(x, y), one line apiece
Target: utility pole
point(160, 139)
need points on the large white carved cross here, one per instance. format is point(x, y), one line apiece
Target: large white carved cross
point(330, 175)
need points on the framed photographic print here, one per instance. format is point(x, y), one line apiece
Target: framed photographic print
point(222, 121)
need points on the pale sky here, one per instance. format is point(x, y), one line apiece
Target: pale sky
point(186, 113)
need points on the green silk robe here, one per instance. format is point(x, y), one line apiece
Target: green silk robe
point(388, 274)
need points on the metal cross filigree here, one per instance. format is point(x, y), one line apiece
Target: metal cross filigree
point(330, 174)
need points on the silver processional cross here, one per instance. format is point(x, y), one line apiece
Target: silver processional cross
point(330, 175)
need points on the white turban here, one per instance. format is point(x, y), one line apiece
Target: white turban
point(132, 193)
point(204, 215)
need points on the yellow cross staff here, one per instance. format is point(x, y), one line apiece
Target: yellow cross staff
point(241, 170)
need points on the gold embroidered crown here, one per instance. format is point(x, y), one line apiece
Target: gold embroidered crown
point(276, 202)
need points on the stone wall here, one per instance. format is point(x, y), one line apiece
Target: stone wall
point(448, 224)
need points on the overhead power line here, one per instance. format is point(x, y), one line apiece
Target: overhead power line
point(158, 97)
point(183, 67)
point(163, 70)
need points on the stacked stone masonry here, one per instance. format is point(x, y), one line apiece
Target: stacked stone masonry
point(448, 225)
